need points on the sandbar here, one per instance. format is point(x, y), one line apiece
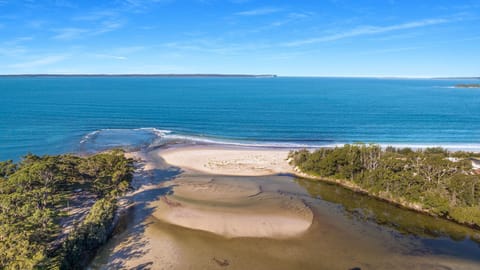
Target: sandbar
point(234, 209)
point(229, 161)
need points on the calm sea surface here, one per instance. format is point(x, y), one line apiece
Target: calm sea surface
point(65, 114)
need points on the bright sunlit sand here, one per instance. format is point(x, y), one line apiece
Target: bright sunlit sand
point(231, 208)
point(229, 161)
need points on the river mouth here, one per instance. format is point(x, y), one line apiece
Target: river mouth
point(346, 231)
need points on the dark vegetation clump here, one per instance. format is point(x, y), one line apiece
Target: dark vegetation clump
point(434, 180)
point(35, 196)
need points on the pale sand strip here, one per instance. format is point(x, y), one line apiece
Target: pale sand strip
point(231, 208)
point(229, 161)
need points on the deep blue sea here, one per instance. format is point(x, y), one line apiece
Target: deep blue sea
point(49, 115)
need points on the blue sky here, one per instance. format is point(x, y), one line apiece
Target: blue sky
point(419, 38)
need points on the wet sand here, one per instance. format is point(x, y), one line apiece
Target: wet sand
point(200, 217)
point(233, 209)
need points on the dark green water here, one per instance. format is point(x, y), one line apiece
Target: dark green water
point(436, 235)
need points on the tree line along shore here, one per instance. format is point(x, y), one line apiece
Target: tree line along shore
point(56, 210)
point(433, 180)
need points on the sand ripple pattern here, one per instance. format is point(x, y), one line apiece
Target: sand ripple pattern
point(234, 209)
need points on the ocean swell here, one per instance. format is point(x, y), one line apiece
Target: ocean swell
point(144, 138)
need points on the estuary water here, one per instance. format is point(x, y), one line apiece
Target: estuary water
point(349, 230)
point(50, 115)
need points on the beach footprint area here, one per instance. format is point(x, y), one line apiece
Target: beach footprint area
point(210, 207)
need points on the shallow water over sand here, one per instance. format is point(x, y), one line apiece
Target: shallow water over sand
point(349, 230)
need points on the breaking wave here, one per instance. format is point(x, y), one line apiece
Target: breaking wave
point(144, 138)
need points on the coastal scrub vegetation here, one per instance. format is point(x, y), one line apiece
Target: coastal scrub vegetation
point(432, 180)
point(37, 196)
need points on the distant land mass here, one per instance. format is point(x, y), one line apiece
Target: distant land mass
point(457, 78)
point(145, 75)
point(471, 85)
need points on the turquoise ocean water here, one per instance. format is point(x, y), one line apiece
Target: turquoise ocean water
point(48, 115)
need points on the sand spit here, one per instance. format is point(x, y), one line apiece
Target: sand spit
point(229, 161)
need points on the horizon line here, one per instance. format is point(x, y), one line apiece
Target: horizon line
point(227, 75)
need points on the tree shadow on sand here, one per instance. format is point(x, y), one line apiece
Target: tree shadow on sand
point(128, 242)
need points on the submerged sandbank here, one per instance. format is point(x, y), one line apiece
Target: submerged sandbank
point(231, 208)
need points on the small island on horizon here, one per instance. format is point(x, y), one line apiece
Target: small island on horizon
point(469, 85)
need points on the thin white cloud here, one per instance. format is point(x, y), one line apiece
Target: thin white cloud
point(119, 53)
point(107, 56)
point(74, 33)
point(69, 33)
point(36, 24)
point(215, 46)
point(140, 6)
point(391, 50)
point(290, 18)
point(97, 15)
point(127, 50)
point(17, 40)
point(258, 11)
point(107, 26)
point(12, 51)
point(47, 60)
point(401, 36)
point(367, 30)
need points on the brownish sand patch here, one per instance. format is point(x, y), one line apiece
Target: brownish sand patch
point(234, 209)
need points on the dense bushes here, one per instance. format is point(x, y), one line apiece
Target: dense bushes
point(91, 233)
point(431, 178)
point(35, 193)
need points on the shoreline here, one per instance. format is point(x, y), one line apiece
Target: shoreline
point(403, 205)
point(248, 169)
point(202, 216)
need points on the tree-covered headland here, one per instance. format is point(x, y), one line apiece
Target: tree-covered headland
point(433, 180)
point(35, 196)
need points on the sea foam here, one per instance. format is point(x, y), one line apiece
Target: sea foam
point(149, 137)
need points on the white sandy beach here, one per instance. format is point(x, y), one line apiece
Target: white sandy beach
point(229, 161)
